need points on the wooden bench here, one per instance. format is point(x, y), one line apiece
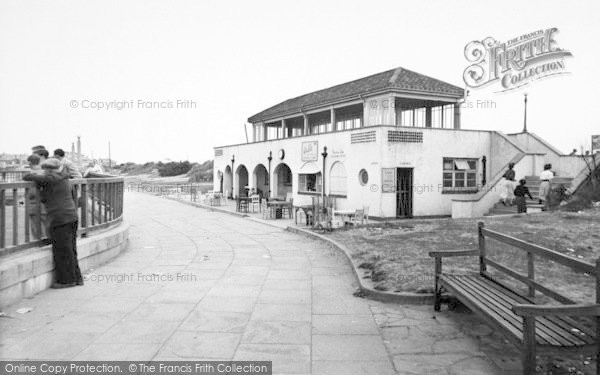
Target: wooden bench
point(531, 326)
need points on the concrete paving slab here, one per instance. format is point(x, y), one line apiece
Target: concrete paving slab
point(215, 321)
point(255, 292)
point(188, 344)
point(277, 332)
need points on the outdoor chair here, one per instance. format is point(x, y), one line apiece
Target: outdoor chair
point(266, 212)
point(242, 205)
point(255, 203)
point(359, 217)
point(288, 208)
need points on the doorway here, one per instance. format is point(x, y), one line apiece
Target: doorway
point(404, 177)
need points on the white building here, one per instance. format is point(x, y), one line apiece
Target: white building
point(391, 141)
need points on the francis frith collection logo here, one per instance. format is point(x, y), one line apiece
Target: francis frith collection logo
point(514, 63)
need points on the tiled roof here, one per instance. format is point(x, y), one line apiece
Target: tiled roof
point(399, 79)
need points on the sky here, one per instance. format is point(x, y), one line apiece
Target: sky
point(186, 75)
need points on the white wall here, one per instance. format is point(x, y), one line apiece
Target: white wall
point(426, 159)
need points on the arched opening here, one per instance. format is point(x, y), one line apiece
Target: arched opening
point(260, 180)
point(220, 181)
point(241, 181)
point(282, 181)
point(338, 180)
point(228, 182)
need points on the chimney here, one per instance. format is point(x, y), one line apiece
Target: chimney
point(79, 149)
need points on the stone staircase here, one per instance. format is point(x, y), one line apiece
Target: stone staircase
point(533, 183)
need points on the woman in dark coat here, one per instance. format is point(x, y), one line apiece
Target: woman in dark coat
point(55, 192)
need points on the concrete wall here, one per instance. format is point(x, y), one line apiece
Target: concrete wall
point(29, 272)
point(562, 165)
point(480, 204)
point(380, 110)
point(503, 149)
point(425, 158)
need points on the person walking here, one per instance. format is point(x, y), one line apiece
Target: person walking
point(545, 178)
point(62, 222)
point(510, 184)
point(520, 192)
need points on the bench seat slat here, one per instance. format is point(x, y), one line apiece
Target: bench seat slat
point(497, 302)
point(566, 323)
point(504, 303)
point(557, 334)
point(501, 314)
point(473, 303)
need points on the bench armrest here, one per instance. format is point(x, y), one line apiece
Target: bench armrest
point(547, 310)
point(453, 253)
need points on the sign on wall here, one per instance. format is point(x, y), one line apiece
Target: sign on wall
point(388, 180)
point(310, 151)
point(595, 143)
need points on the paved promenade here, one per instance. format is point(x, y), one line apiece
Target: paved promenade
point(204, 285)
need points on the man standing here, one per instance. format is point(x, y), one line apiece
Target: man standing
point(62, 223)
point(66, 166)
point(41, 152)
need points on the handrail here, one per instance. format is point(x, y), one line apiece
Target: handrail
point(492, 182)
point(99, 206)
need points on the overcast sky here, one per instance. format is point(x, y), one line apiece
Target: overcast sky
point(236, 58)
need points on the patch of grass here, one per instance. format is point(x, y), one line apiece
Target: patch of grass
point(396, 254)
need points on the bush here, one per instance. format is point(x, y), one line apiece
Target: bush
point(201, 172)
point(588, 193)
point(173, 168)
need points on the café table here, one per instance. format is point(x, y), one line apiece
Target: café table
point(278, 206)
point(242, 204)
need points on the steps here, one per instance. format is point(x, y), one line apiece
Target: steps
point(533, 183)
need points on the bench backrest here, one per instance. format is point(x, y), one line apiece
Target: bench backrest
point(593, 270)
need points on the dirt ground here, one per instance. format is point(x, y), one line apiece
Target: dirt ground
point(395, 257)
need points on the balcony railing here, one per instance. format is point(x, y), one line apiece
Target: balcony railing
point(99, 206)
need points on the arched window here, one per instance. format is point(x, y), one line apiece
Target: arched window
point(338, 181)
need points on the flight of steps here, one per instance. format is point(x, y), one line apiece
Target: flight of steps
point(533, 183)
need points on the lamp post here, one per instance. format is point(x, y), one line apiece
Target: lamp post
point(269, 158)
point(324, 154)
point(232, 175)
point(525, 114)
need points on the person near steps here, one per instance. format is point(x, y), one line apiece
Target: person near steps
point(520, 192)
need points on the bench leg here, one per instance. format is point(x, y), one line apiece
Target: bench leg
point(528, 345)
point(436, 287)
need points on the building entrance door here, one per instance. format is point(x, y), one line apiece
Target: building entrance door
point(404, 191)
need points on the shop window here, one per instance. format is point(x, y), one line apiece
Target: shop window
point(460, 174)
point(338, 184)
point(310, 183)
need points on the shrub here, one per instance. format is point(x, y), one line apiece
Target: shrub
point(173, 168)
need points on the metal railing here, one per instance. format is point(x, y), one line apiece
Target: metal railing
point(12, 175)
point(99, 204)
